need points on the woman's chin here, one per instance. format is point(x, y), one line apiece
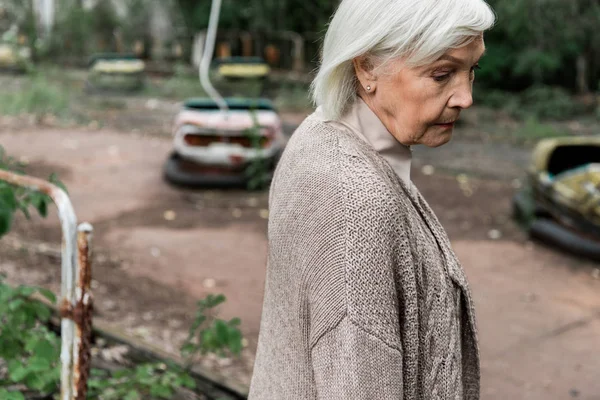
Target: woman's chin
point(438, 139)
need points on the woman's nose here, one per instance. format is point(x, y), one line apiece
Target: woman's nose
point(462, 97)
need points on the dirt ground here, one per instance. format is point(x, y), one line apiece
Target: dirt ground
point(158, 249)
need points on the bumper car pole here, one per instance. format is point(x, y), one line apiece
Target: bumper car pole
point(209, 47)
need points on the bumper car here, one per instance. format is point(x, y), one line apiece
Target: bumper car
point(241, 76)
point(560, 205)
point(239, 147)
point(115, 73)
point(213, 149)
point(241, 68)
point(14, 58)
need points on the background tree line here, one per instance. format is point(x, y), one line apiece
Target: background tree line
point(535, 42)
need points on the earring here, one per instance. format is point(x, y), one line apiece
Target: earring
point(368, 88)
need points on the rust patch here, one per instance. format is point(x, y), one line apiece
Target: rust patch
point(65, 310)
point(82, 316)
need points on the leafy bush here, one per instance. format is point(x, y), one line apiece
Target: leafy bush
point(72, 33)
point(30, 349)
point(154, 380)
point(105, 23)
point(31, 353)
point(547, 102)
point(540, 102)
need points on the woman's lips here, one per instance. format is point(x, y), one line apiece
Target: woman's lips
point(447, 125)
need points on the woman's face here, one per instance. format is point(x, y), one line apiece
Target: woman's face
point(420, 105)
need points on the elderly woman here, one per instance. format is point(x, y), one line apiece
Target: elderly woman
point(364, 297)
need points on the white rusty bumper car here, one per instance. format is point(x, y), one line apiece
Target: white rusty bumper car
point(561, 203)
point(212, 148)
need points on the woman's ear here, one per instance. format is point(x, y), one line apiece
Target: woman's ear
point(364, 70)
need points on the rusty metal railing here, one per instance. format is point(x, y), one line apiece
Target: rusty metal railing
point(76, 299)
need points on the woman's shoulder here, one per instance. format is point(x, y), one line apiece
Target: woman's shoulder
point(321, 144)
point(324, 162)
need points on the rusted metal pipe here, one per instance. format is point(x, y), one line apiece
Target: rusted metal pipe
point(82, 314)
point(73, 286)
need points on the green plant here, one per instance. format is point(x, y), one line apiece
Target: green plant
point(13, 199)
point(209, 334)
point(7, 395)
point(29, 348)
point(154, 380)
point(258, 170)
point(31, 353)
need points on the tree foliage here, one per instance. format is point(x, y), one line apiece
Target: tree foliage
point(534, 42)
point(261, 15)
point(543, 42)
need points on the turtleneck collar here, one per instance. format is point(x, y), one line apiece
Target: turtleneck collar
point(361, 120)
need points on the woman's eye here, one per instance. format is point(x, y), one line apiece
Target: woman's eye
point(441, 78)
point(475, 67)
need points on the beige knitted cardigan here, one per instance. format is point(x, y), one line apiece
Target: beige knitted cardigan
point(364, 297)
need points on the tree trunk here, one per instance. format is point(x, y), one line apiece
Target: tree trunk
point(583, 86)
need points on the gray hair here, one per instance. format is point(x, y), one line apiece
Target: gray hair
point(419, 30)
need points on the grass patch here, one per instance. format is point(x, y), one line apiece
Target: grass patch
point(108, 103)
point(533, 130)
point(38, 96)
point(179, 87)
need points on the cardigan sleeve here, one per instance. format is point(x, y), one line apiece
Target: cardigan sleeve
point(350, 363)
point(361, 355)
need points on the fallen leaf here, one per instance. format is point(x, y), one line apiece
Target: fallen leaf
point(428, 170)
point(494, 234)
point(170, 215)
point(209, 283)
point(155, 252)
